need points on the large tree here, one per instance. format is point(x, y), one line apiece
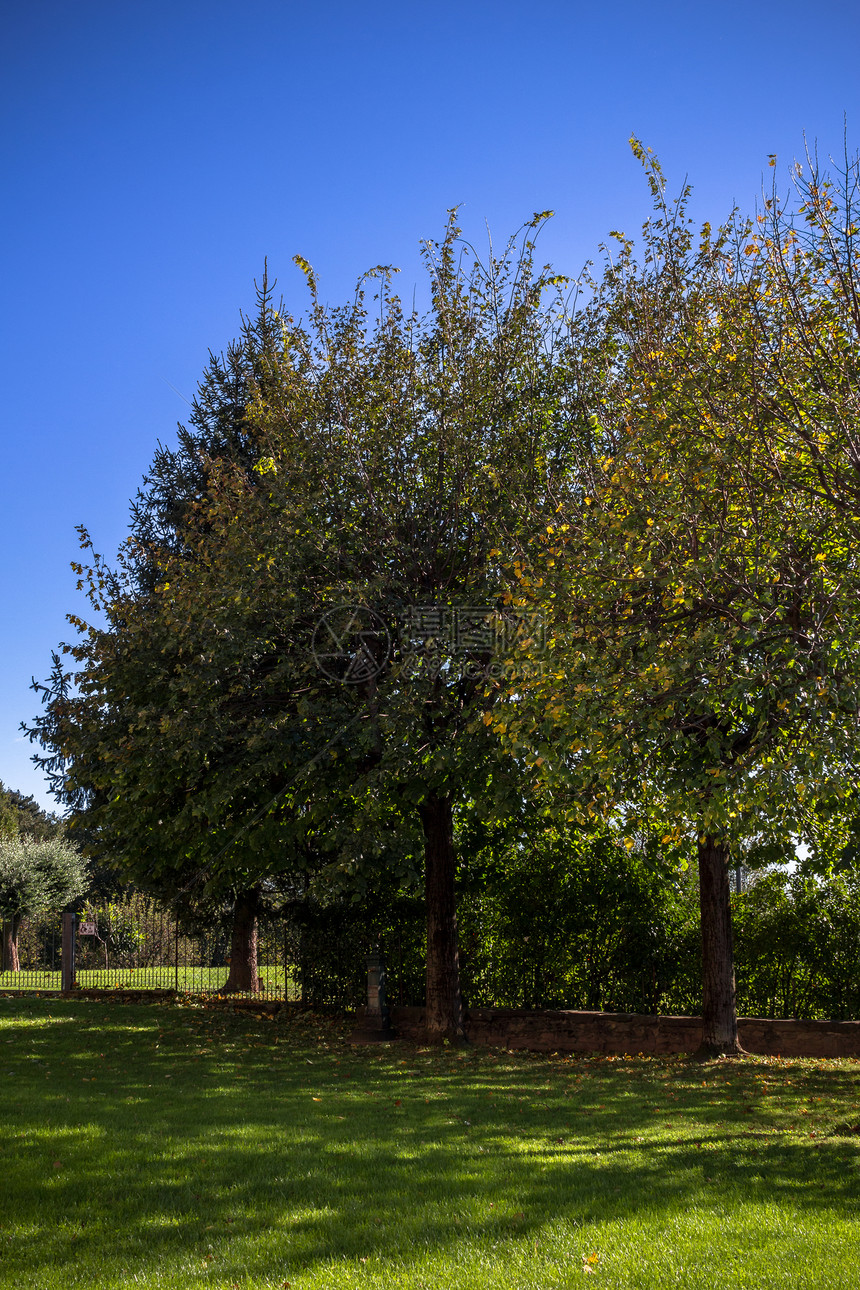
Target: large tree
point(145, 736)
point(417, 446)
point(704, 615)
point(392, 456)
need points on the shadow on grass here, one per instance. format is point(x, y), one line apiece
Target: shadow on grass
point(144, 1135)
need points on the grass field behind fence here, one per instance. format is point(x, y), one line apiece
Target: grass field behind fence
point(165, 1147)
point(190, 979)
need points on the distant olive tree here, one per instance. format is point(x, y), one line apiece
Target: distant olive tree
point(35, 875)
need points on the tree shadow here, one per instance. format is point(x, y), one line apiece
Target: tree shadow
point(288, 1156)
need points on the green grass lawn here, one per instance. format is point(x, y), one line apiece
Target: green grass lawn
point(154, 1146)
point(192, 979)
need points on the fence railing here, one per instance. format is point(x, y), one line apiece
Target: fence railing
point(317, 954)
point(31, 953)
point(139, 944)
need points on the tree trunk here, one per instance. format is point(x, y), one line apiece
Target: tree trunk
point(444, 1013)
point(9, 959)
point(243, 978)
point(719, 1003)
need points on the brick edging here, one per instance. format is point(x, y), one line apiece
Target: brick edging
point(562, 1031)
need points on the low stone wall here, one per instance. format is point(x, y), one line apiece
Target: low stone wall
point(620, 1032)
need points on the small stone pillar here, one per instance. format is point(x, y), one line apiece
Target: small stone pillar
point(376, 1027)
point(68, 977)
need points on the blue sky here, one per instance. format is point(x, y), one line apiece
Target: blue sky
point(154, 154)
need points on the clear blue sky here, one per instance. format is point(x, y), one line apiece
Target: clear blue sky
point(154, 154)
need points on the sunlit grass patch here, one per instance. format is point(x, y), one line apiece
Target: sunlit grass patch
point(174, 1147)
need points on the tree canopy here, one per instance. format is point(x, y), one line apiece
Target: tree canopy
point(394, 454)
point(408, 566)
point(704, 667)
point(36, 874)
point(21, 814)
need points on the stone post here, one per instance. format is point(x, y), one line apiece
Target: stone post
point(67, 976)
point(376, 1027)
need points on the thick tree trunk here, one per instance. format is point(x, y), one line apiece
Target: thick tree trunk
point(243, 978)
point(719, 1003)
point(9, 959)
point(444, 1013)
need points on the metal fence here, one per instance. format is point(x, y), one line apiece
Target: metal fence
point(36, 944)
point(139, 944)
